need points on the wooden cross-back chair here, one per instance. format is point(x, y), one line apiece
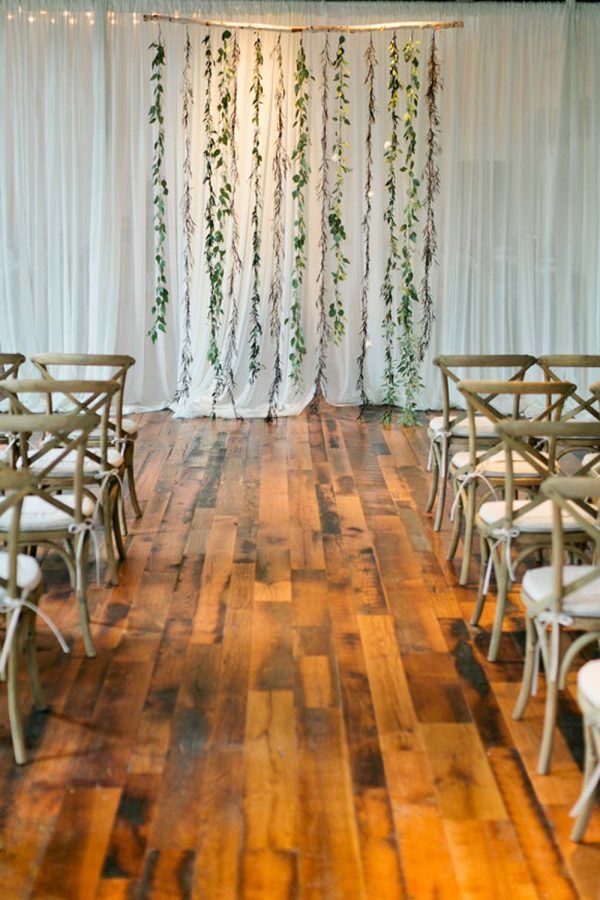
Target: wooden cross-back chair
point(470, 468)
point(103, 464)
point(10, 363)
point(53, 516)
point(560, 598)
point(451, 430)
point(524, 523)
point(123, 431)
point(582, 406)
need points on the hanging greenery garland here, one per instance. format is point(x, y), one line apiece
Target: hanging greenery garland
point(234, 178)
point(324, 194)
point(341, 120)
point(280, 169)
point(408, 366)
point(391, 151)
point(371, 61)
point(214, 246)
point(189, 226)
point(300, 178)
point(159, 184)
point(432, 189)
point(255, 326)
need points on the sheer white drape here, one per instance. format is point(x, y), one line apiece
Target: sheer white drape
point(518, 215)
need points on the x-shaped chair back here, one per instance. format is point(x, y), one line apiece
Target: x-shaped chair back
point(448, 366)
point(113, 366)
point(581, 405)
point(10, 363)
point(79, 396)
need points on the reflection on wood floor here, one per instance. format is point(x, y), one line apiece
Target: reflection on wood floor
point(287, 701)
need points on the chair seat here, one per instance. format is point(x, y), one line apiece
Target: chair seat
point(128, 426)
point(28, 571)
point(39, 515)
point(537, 519)
point(585, 602)
point(66, 466)
point(495, 466)
point(588, 681)
point(483, 426)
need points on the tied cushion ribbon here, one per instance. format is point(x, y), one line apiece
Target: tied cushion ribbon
point(464, 483)
point(88, 526)
point(502, 536)
point(15, 606)
point(106, 475)
point(555, 619)
point(439, 437)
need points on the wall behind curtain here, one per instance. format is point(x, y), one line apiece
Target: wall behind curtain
point(518, 215)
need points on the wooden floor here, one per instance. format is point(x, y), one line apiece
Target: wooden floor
point(287, 700)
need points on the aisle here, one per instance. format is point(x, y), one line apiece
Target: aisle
point(286, 701)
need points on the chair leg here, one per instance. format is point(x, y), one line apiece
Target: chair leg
point(14, 710)
point(107, 521)
point(502, 588)
point(581, 822)
point(32, 666)
point(84, 615)
point(116, 527)
point(468, 538)
point(435, 477)
point(455, 536)
point(442, 492)
point(528, 669)
point(549, 726)
point(129, 468)
point(484, 552)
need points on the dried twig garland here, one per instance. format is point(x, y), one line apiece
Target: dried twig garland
point(371, 61)
point(300, 178)
point(408, 365)
point(236, 262)
point(159, 183)
point(280, 169)
point(432, 188)
point(324, 324)
point(214, 250)
point(336, 225)
point(256, 91)
point(391, 151)
point(189, 226)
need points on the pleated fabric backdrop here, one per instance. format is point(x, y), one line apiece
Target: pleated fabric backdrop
point(518, 213)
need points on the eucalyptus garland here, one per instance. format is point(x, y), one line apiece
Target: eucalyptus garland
point(160, 190)
point(255, 326)
point(214, 244)
point(341, 120)
point(236, 262)
point(189, 226)
point(432, 188)
point(371, 62)
point(392, 264)
point(280, 169)
point(324, 324)
point(408, 365)
point(300, 179)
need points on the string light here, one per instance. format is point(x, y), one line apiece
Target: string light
point(52, 20)
point(30, 19)
point(9, 17)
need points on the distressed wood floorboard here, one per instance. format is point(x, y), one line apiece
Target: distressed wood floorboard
point(287, 700)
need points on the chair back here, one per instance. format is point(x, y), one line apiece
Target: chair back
point(113, 367)
point(579, 405)
point(70, 397)
point(452, 368)
point(10, 363)
point(65, 433)
point(14, 487)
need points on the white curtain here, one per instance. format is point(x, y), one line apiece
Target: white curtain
point(518, 213)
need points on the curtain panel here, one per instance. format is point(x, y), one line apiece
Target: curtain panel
point(517, 216)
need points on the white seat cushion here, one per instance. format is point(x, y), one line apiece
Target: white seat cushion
point(588, 681)
point(483, 425)
point(66, 466)
point(585, 601)
point(537, 519)
point(495, 466)
point(39, 515)
point(128, 426)
point(28, 570)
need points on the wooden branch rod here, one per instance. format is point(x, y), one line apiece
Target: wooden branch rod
point(295, 29)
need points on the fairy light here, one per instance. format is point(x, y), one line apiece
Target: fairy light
point(52, 20)
point(10, 17)
point(31, 19)
point(71, 21)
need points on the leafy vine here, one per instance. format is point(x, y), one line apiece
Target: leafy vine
point(256, 91)
point(280, 169)
point(371, 62)
point(189, 226)
point(300, 179)
point(391, 152)
point(159, 184)
point(341, 120)
point(323, 192)
point(432, 188)
point(408, 365)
